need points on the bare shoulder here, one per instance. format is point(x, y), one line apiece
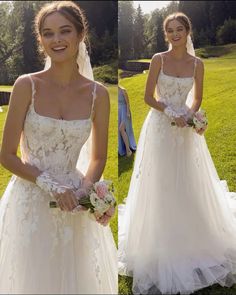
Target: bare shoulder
point(102, 94)
point(34, 76)
point(199, 62)
point(157, 58)
point(199, 65)
point(39, 74)
point(22, 81)
point(22, 89)
point(102, 101)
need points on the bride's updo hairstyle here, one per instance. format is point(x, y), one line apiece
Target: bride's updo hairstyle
point(180, 17)
point(71, 11)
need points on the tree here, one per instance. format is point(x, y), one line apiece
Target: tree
point(102, 29)
point(155, 40)
point(30, 46)
point(160, 39)
point(226, 33)
point(139, 39)
point(198, 12)
point(5, 34)
point(172, 7)
point(125, 29)
point(18, 45)
point(101, 16)
point(207, 17)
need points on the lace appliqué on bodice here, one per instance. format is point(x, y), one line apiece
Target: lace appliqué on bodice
point(54, 144)
point(173, 91)
point(51, 145)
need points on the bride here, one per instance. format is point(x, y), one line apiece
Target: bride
point(47, 250)
point(177, 231)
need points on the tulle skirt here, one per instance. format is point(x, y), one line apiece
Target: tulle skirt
point(129, 131)
point(177, 230)
point(48, 251)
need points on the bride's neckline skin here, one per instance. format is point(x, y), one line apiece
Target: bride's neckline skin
point(38, 76)
point(63, 75)
point(178, 55)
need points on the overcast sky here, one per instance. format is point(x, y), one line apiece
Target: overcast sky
point(148, 6)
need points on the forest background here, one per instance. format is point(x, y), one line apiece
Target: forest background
point(18, 44)
point(141, 35)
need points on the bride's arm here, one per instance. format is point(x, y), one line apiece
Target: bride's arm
point(18, 106)
point(19, 103)
point(198, 87)
point(153, 73)
point(99, 137)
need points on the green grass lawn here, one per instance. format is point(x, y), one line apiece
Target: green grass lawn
point(206, 52)
point(5, 88)
point(111, 169)
point(219, 100)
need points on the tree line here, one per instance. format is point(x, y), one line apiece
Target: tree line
point(141, 35)
point(18, 45)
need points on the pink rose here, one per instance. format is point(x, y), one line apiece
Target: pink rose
point(111, 211)
point(104, 220)
point(199, 116)
point(101, 190)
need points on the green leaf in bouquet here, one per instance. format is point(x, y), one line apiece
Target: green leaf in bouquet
point(53, 204)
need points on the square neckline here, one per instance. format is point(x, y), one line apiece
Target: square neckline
point(57, 119)
point(192, 77)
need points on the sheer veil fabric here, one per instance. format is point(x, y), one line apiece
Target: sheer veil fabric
point(177, 228)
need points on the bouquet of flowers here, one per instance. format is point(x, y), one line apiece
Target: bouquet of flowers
point(99, 201)
point(199, 122)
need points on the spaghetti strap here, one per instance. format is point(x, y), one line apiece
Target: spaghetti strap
point(32, 85)
point(94, 97)
point(195, 65)
point(161, 62)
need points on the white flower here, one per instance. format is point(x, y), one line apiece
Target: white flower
point(101, 207)
point(109, 199)
point(93, 198)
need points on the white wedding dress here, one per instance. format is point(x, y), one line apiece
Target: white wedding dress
point(45, 250)
point(177, 230)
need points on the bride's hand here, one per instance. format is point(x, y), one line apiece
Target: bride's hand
point(180, 121)
point(67, 201)
point(200, 132)
point(86, 184)
point(80, 193)
point(189, 115)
